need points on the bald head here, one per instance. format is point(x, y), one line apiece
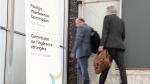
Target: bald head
point(79, 21)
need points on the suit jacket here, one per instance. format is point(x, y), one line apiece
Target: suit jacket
point(113, 33)
point(82, 46)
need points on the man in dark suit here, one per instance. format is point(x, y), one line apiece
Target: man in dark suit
point(113, 36)
point(82, 48)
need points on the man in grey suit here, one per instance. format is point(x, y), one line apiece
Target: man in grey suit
point(112, 39)
point(82, 48)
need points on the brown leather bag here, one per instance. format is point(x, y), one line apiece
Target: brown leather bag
point(101, 61)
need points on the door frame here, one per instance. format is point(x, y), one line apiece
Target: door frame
point(81, 14)
point(65, 42)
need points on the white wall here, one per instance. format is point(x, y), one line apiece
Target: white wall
point(94, 14)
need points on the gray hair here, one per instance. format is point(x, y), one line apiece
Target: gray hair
point(112, 9)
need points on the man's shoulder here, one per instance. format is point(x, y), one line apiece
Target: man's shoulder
point(114, 16)
point(85, 26)
point(80, 28)
point(108, 16)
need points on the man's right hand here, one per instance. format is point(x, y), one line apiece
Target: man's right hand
point(73, 56)
point(100, 48)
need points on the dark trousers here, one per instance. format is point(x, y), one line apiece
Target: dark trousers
point(118, 56)
point(82, 68)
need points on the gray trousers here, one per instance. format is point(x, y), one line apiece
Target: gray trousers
point(82, 70)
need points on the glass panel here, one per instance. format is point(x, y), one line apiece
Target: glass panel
point(2, 54)
point(19, 60)
point(3, 13)
point(19, 23)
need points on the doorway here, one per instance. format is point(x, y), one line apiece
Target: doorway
point(94, 13)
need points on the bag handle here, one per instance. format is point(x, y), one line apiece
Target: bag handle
point(100, 51)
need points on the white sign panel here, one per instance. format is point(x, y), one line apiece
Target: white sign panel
point(42, 42)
